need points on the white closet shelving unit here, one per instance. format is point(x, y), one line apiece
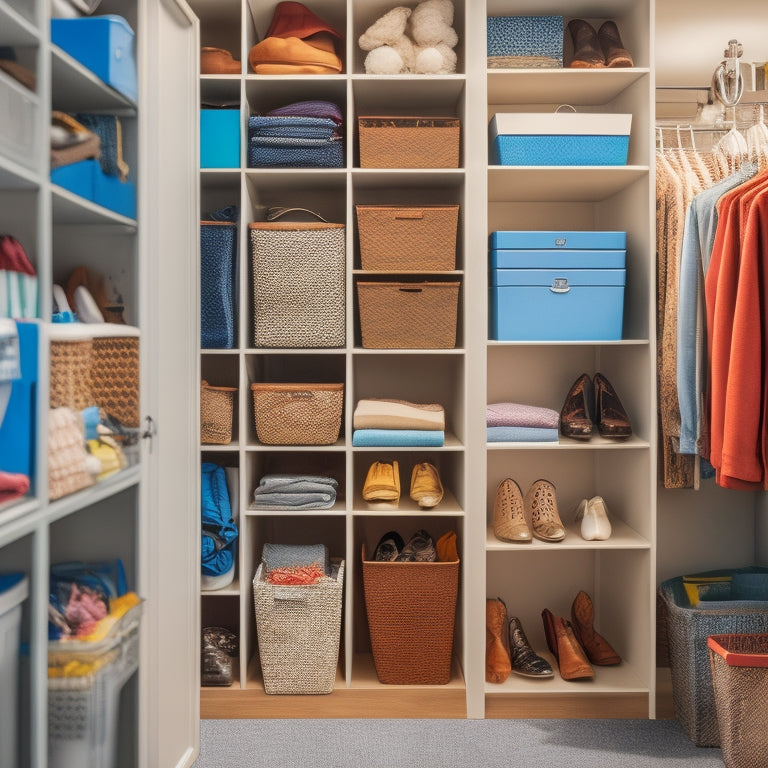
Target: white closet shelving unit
point(60, 231)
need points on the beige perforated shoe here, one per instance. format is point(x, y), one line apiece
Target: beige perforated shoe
point(541, 505)
point(509, 514)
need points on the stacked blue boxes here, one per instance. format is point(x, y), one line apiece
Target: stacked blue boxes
point(557, 286)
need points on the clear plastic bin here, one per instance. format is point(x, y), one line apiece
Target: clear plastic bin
point(84, 683)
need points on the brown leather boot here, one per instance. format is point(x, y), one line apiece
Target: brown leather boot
point(571, 661)
point(587, 53)
point(497, 664)
point(596, 646)
point(616, 55)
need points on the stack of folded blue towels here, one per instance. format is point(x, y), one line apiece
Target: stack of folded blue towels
point(518, 423)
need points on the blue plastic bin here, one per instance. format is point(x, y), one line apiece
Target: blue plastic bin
point(219, 138)
point(86, 179)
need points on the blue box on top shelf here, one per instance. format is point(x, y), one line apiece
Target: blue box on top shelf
point(557, 286)
point(559, 138)
point(17, 430)
point(105, 45)
point(219, 138)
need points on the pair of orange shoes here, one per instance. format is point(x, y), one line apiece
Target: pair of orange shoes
point(297, 43)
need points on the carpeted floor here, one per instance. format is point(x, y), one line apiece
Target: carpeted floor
point(450, 744)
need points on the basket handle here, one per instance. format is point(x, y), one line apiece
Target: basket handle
point(411, 290)
point(409, 214)
point(277, 212)
point(287, 594)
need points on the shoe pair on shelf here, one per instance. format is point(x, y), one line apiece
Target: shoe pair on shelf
point(575, 644)
point(392, 549)
point(382, 483)
point(507, 648)
point(603, 48)
point(590, 404)
point(511, 513)
point(592, 519)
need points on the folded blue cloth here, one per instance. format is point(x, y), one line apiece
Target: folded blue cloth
point(521, 435)
point(431, 438)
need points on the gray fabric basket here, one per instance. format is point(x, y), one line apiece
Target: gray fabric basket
point(688, 628)
point(298, 629)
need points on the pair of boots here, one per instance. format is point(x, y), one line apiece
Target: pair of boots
point(507, 648)
point(575, 643)
point(603, 48)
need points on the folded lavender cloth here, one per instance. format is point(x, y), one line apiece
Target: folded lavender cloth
point(521, 435)
point(519, 415)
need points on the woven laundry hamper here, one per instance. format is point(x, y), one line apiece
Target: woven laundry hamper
point(411, 609)
point(115, 371)
point(298, 629)
point(409, 142)
point(688, 628)
point(740, 680)
point(216, 414)
point(71, 349)
point(297, 414)
point(411, 238)
point(404, 315)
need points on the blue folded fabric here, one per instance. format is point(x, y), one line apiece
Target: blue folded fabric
point(430, 438)
point(521, 435)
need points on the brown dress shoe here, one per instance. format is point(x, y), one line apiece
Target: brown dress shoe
point(562, 642)
point(498, 666)
point(541, 505)
point(382, 483)
point(576, 415)
point(596, 646)
point(218, 61)
point(587, 53)
point(426, 488)
point(612, 420)
point(616, 55)
point(509, 514)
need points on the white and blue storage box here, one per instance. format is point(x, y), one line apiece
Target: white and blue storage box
point(105, 45)
point(14, 588)
point(557, 286)
point(525, 41)
point(219, 138)
point(559, 138)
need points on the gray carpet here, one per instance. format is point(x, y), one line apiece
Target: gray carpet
point(450, 744)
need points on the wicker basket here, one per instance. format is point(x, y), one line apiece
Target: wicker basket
point(408, 315)
point(421, 238)
point(216, 413)
point(740, 678)
point(411, 610)
point(409, 142)
point(298, 629)
point(298, 414)
point(689, 628)
point(70, 367)
point(115, 372)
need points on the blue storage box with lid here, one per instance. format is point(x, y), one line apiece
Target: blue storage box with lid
point(219, 138)
point(559, 138)
point(525, 41)
point(86, 179)
point(557, 286)
point(105, 45)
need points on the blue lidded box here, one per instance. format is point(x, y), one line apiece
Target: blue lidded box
point(525, 41)
point(541, 290)
point(219, 138)
point(105, 45)
point(87, 179)
point(559, 138)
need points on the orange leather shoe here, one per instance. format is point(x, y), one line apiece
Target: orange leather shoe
point(561, 641)
point(498, 666)
point(293, 56)
point(218, 61)
point(598, 649)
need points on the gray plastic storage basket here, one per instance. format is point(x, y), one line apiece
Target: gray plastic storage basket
point(298, 629)
point(688, 629)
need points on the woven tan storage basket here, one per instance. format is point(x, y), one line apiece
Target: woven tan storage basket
point(409, 142)
point(411, 610)
point(216, 413)
point(70, 371)
point(298, 628)
point(298, 414)
point(421, 238)
point(115, 377)
point(408, 315)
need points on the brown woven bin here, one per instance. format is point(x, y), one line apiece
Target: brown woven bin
point(740, 679)
point(115, 376)
point(421, 238)
point(411, 610)
point(408, 315)
point(70, 373)
point(298, 414)
point(216, 413)
point(409, 142)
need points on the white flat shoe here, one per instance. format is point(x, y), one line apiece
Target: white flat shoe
point(86, 307)
point(593, 516)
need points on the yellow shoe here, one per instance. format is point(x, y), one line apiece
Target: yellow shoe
point(426, 488)
point(382, 482)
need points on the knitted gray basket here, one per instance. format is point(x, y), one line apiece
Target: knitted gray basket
point(298, 630)
point(688, 628)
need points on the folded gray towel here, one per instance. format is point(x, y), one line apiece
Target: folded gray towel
point(294, 556)
point(287, 491)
